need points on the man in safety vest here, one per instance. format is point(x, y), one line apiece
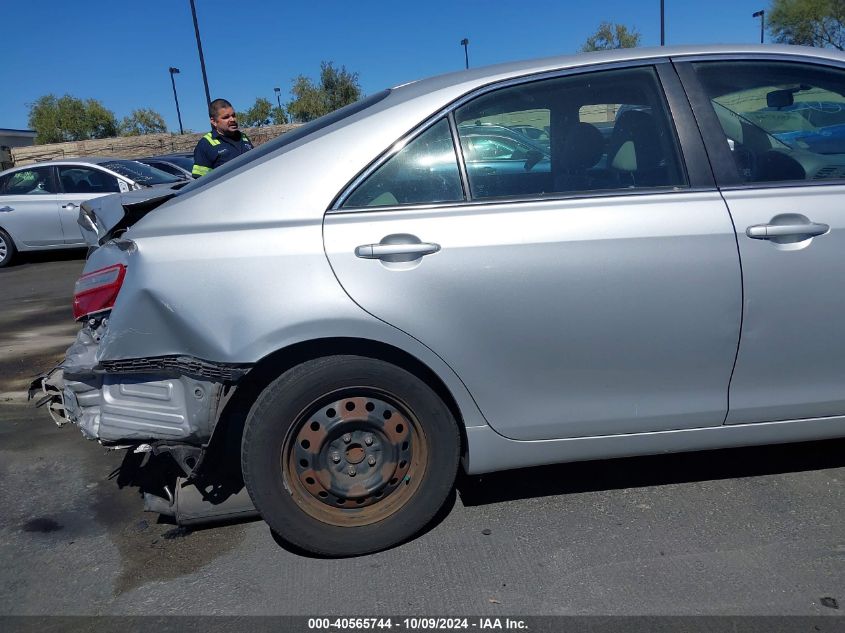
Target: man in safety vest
point(223, 143)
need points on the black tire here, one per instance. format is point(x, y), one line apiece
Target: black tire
point(7, 249)
point(347, 455)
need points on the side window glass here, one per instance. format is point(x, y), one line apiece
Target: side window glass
point(87, 180)
point(424, 171)
point(28, 182)
point(599, 131)
point(782, 121)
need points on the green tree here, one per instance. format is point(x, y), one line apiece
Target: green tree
point(610, 35)
point(261, 113)
point(337, 88)
point(808, 22)
point(57, 119)
point(142, 121)
point(279, 116)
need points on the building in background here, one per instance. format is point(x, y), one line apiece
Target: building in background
point(13, 138)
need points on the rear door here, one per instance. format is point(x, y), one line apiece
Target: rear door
point(776, 130)
point(605, 301)
point(78, 184)
point(29, 209)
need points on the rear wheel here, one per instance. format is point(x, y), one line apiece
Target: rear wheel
point(7, 249)
point(347, 455)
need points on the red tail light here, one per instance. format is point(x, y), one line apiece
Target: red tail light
point(97, 290)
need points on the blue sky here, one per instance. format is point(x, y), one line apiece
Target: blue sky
point(119, 52)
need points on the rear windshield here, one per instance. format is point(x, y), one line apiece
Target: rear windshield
point(287, 138)
point(139, 172)
point(185, 162)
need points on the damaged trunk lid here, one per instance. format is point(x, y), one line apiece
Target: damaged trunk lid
point(106, 217)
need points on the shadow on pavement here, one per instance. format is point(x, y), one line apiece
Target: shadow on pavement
point(39, 257)
point(437, 519)
point(637, 472)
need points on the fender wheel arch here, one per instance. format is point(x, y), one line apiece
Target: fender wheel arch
point(224, 444)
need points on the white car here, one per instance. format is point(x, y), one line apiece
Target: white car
point(39, 203)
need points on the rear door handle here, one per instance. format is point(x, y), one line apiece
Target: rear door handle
point(768, 231)
point(70, 205)
point(382, 251)
point(6, 209)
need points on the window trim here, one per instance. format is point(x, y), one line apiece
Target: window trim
point(459, 153)
point(722, 162)
point(690, 143)
point(448, 111)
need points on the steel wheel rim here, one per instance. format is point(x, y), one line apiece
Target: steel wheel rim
point(354, 457)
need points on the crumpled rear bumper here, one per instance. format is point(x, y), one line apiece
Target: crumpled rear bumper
point(126, 407)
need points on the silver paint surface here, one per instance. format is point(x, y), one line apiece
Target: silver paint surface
point(580, 318)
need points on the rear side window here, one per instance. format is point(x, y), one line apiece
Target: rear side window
point(87, 180)
point(606, 130)
point(27, 182)
point(782, 121)
point(424, 171)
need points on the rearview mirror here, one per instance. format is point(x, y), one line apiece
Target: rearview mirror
point(779, 98)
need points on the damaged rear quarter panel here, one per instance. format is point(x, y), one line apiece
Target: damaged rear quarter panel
point(236, 271)
point(228, 304)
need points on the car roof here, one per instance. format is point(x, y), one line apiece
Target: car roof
point(91, 160)
point(499, 72)
point(427, 97)
point(81, 160)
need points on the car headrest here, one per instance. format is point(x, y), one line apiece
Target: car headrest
point(635, 143)
point(582, 147)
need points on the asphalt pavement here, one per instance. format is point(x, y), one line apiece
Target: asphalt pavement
point(758, 531)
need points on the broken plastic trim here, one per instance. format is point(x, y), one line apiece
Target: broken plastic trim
point(187, 365)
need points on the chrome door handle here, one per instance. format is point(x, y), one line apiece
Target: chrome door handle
point(70, 205)
point(380, 251)
point(6, 209)
point(768, 231)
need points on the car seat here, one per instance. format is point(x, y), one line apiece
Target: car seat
point(635, 151)
point(581, 149)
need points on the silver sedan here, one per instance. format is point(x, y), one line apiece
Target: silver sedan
point(39, 203)
point(328, 327)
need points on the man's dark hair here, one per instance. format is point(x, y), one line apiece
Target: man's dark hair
point(215, 106)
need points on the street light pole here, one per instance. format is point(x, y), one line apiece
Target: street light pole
point(175, 71)
point(662, 24)
point(762, 15)
point(199, 48)
point(278, 91)
point(465, 44)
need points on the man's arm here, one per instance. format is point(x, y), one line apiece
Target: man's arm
point(202, 159)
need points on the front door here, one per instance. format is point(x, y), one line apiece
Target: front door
point(784, 130)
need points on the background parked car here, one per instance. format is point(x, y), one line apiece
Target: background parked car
point(539, 136)
point(39, 204)
point(176, 164)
